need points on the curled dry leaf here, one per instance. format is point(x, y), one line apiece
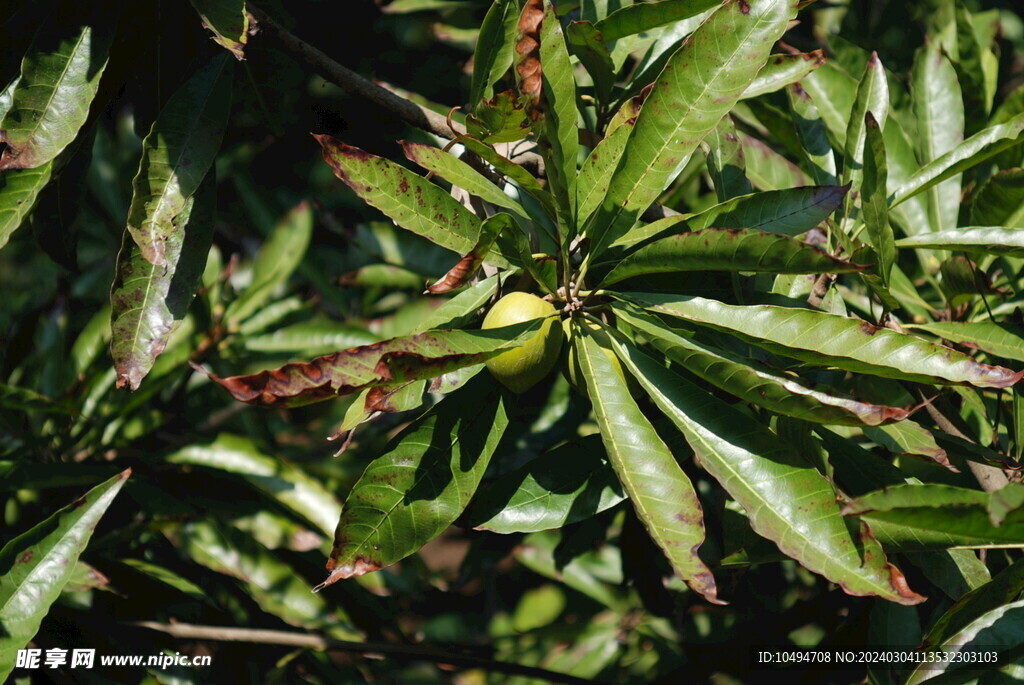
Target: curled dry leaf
point(528, 66)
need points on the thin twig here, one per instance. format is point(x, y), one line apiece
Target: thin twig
point(989, 477)
point(408, 111)
point(312, 641)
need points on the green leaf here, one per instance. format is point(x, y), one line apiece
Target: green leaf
point(765, 387)
point(394, 361)
point(310, 339)
point(468, 266)
point(277, 259)
point(834, 91)
point(700, 84)
point(229, 22)
point(586, 42)
point(22, 399)
point(568, 484)
point(1002, 589)
point(460, 174)
point(421, 483)
point(279, 480)
point(410, 201)
point(1001, 339)
point(940, 126)
point(819, 338)
point(493, 48)
point(176, 154)
point(968, 154)
point(726, 162)
point(272, 583)
point(1000, 631)
point(812, 134)
point(597, 170)
point(785, 497)
point(35, 566)
point(1000, 201)
point(872, 96)
point(501, 120)
point(644, 16)
point(19, 189)
point(908, 437)
point(149, 302)
point(970, 71)
point(60, 75)
point(787, 212)
point(974, 239)
point(661, 493)
point(782, 71)
point(595, 573)
point(727, 249)
point(462, 309)
point(932, 516)
point(874, 202)
point(559, 104)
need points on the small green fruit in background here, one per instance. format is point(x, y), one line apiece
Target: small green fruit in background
point(574, 373)
point(520, 368)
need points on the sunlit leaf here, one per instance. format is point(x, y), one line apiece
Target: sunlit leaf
point(973, 151)
point(397, 360)
point(786, 498)
point(149, 302)
point(687, 103)
point(176, 154)
point(228, 20)
point(661, 493)
point(778, 392)
point(727, 249)
point(783, 70)
point(563, 486)
point(60, 75)
point(820, 338)
point(35, 566)
point(645, 16)
point(494, 48)
point(974, 239)
point(278, 479)
point(421, 483)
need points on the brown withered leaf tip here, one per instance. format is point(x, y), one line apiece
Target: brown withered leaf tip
point(358, 567)
point(458, 275)
point(15, 156)
point(528, 67)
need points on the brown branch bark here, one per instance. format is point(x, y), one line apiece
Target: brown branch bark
point(989, 477)
point(188, 631)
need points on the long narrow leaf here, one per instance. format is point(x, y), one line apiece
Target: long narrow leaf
point(758, 384)
point(420, 484)
point(660, 491)
point(35, 566)
point(700, 83)
point(394, 361)
point(727, 249)
point(786, 498)
point(149, 302)
point(176, 154)
point(968, 154)
point(975, 239)
point(60, 75)
point(821, 338)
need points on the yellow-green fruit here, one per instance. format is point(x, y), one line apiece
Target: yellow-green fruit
point(520, 368)
point(572, 367)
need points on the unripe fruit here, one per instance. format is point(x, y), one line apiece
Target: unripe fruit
point(573, 371)
point(520, 368)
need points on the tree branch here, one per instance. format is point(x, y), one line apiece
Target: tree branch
point(406, 110)
point(989, 477)
point(407, 652)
